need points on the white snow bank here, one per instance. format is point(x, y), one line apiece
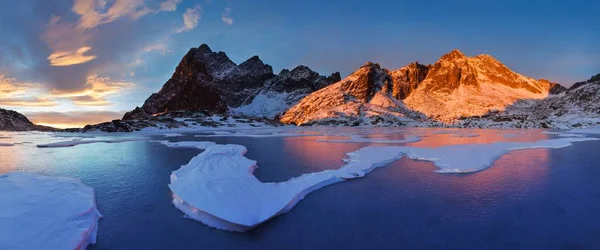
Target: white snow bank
point(73, 143)
point(41, 212)
point(218, 188)
point(591, 131)
point(360, 139)
point(187, 144)
point(468, 158)
point(6, 144)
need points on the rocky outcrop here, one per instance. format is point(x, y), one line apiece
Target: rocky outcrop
point(363, 98)
point(206, 80)
point(407, 79)
point(15, 121)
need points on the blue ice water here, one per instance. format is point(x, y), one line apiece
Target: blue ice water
point(530, 199)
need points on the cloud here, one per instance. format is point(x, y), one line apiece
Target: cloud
point(226, 18)
point(190, 19)
point(158, 47)
point(73, 118)
point(169, 5)
point(10, 87)
point(22, 94)
point(94, 93)
point(28, 102)
point(67, 43)
point(67, 58)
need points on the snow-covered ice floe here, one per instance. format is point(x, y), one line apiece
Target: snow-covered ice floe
point(360, 139)
point(218, 187)
point(41, 212)
point(72, 143)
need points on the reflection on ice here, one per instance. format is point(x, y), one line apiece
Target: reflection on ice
point(187, 144)
point(360, 139)
point(72, 143)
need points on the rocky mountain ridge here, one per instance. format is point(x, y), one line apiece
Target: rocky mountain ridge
point(14, 121)
point(209, 81)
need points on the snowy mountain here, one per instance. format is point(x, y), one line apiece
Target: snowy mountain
point(363, 98)
point(455, 91)
point(15, 121)
point(579, 106)
point(460, 86)
point(210, 81)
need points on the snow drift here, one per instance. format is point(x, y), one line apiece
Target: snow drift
point(41, 212)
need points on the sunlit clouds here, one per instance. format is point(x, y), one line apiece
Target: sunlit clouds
point(191, 17)
point(66, 58)
point(22, 94)
point(95, 92)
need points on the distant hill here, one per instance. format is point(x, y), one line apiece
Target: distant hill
point(15, 121)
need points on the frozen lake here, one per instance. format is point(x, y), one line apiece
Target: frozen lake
point(527, 199)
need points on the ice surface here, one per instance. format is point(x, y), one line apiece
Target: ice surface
point(360, 139)
point(510, 135)
point(256, 135)
point(465, 135)
point(76, 142)
point(187, 144)
point(560, 134)
point(218, 188)
point(172, 135)
point(41, 212)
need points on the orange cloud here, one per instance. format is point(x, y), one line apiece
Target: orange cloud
point(22, 94)
point(95, 92)
point(67, 58)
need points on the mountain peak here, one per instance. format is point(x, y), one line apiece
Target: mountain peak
point(370, 64)
point(204, 49)
point(453, 55)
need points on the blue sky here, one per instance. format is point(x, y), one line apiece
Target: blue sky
point(98, 58)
